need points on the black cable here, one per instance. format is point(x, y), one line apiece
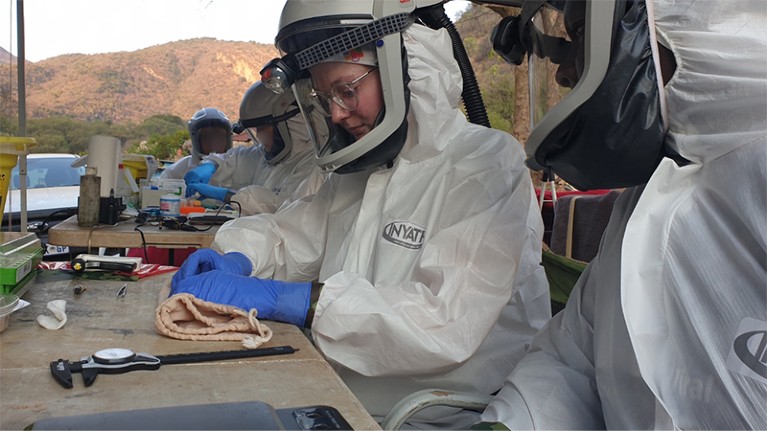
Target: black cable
point(174, 223)
point(68, 211)
point(143, 241)
point(239, 208)
point(44, 225)
point(436, 18)
point(218, 211)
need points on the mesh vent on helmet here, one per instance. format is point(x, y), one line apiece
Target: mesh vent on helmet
point(353, 38)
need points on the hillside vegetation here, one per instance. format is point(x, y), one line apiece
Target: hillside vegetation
point(149, 94)
point(176, 78)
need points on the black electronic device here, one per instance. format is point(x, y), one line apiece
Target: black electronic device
point(110, 209)
point(117, 360)
point(210, 219)
point(146, 215)
point(250, 415)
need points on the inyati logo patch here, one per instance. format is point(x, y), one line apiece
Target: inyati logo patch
point(748, 355)
point(405, 234)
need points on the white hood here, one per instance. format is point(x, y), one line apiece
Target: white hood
point(694, 249)
point(435, 87)
point(717, 98)
point(299, 135)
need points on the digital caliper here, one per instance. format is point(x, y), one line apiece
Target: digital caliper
point(117, 361)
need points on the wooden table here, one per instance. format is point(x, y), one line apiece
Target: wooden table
point(124, 235)
point(98, 319)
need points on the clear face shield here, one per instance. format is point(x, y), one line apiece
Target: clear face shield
point(349, 79)
point(253, 134)
point(595, 92)
point(345, 110)
point(554, 65)
point(318, 119)
point(272, 134)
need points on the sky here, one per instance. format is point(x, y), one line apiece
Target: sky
point(56, 27)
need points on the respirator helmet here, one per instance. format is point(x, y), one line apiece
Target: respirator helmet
point(366, 32)
point(263, 109)
point(596, 93)
point(203, 119)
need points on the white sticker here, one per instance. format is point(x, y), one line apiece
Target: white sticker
point(748, 351)
point(23, 270)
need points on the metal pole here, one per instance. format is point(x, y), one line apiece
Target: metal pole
point(21, 60)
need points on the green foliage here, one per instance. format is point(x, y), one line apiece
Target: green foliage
point(159, 125)
point(9, 126)
point(163, 147)
point(498, 121)
point(495, 77)
point(498, 93)
point(161, 135)
point(471, 44)
point(64, 135)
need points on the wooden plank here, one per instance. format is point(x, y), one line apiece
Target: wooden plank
point(30, 394)
point(124, 235)
point(98, 319)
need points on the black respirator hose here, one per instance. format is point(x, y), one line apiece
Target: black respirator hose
point(436, 18)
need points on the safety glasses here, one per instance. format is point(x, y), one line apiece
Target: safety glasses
point(343, 94)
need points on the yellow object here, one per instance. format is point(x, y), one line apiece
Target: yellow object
point(10, 148)
point(140, 165)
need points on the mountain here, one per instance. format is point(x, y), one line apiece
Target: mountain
point(176, 78)
point(5, 56)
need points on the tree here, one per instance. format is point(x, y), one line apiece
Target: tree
point(159, 125)
point(163, 147)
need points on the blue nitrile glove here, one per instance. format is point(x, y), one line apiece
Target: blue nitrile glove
point(207, 191)
point(205, 259)
point(200, 174)
point(275, 300)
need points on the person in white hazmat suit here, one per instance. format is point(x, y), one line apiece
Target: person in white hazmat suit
point(279, 169)
point(417, 263)
point(211, 132)
point(667, 327)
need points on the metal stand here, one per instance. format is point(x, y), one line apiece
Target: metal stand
point(548, 178)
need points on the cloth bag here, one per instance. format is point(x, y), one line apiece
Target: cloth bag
point(185, 317)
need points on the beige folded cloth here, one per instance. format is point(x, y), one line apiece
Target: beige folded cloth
point(185, 317)
point(58, 307)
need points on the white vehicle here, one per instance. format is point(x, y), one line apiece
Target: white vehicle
point(53, 187)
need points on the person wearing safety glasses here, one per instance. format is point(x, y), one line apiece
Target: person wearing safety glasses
point(279, 168)
point(667, 327)
point(211, 132)
point(417, 263)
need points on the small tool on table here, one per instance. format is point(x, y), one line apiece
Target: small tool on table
point(117, 361)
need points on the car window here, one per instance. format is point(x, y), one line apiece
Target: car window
point(48, 172)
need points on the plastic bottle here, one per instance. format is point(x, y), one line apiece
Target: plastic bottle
point(127, 187)
point(88, 202)
point(170, 205)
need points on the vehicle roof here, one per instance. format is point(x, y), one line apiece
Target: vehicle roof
point(51, 155)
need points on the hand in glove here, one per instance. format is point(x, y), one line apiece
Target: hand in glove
point(200, 174)
point(207, 191)
point(275, 300)
point(205, 260)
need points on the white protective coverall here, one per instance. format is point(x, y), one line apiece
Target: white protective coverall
point(183, 165)
point(667, 326)
point(431, 267)
point(262, 187)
